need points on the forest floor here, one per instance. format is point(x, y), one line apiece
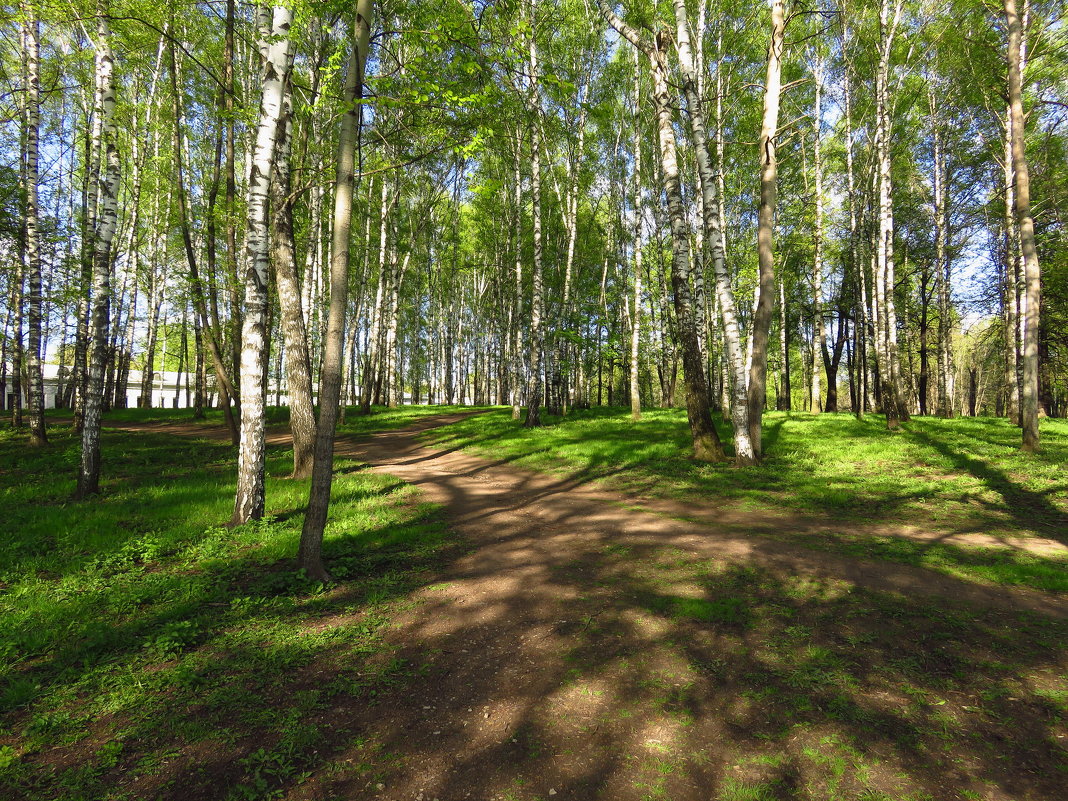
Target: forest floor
point(617, 623)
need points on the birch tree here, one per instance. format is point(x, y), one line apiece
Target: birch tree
point(309, 556)
point(1031, 271)
point(32, 256)
point(639, 218)
point(250, 498)
point(705, 438)
point(757, 390)
point(537, 299)
point(107, 220)
point(298, 359)
point(886, 339)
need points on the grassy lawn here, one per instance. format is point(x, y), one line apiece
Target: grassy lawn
point(951, 476)
point(769, 687)
point(147, 651)
point(135, 630)
point(381, 419)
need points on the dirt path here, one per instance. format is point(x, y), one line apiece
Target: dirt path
point(497, 502)
point(515, 698)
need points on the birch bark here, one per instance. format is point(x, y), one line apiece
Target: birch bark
point(517, 300)
point(855, 269)
point(757, 389)
point(31, 135)
point(295, 335)
point(819, 337)
point(944, 384)
point(889, 371)
point(309, 556)
point(1031, 270)
point(746, 450)
point(211, 324)
point(638, 211)
point(106, 225)
point(537, 301)
point(250, 497)
point(1009, 293)
point(706, 443)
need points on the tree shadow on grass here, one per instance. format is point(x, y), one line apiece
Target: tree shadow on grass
point(560, 655)
point(215, 657)
point(1029, 510)
point(668, 676)
point(664, 676)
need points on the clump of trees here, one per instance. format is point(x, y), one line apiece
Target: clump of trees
point(547, 204)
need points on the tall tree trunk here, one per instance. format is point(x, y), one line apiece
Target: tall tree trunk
point(854, 267)
point(944, 405)
point(295, 335)
point(31, 134)
point(746, 451)
point(107, 223)
point(309, 556)
point(1031, 270)
point(1009, 283)
point(766, 227)
point(706, 443)
point(232, 279)
point(537, 300)
point(819, 336)
point(91, 198)
point(638, 211)
point(125, 358)
point(925, 371)
point(892, 400)
point(212, 332)
point(517, 299)
point(250, 497)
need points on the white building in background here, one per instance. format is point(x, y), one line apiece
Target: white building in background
point(168, 388)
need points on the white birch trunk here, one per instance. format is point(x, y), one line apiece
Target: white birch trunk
point(537, 301)
point(106, 225)
point(517, 338)
point(294, 332)
point(309, 556)
point(766, 289)
point(889, 370)
point(638, 211)
point(31, 135)
point(1031, 270)
point(250, 497)
point(819, 338)
point(943, 269)
point(705, 438)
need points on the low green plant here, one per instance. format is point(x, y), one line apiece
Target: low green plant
point(860, 481)
point(139, 609)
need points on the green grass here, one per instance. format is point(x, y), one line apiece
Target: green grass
point(948, 476)
point(382, 418)
point(145, 650)
point(819, 691)
point(135, 627)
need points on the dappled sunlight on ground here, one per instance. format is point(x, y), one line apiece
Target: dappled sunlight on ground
point(558, 641)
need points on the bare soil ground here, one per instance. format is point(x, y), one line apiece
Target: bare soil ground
point(588, 645)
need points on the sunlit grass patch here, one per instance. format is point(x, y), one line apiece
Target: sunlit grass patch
point(957, 476)
point(822, 693)
point(135, 624)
